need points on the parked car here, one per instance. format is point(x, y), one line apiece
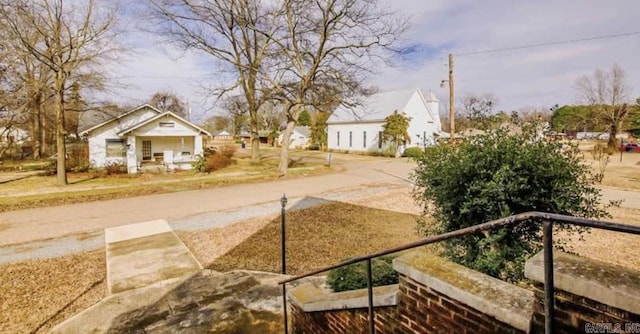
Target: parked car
point(628, 147)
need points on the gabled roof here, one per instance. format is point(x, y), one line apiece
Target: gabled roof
point(167, 113)
point(377, 107)
point(146, 105)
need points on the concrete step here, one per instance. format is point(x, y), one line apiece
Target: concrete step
point(145, 253)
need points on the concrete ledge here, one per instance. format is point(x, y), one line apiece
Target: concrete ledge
point(505, 302)
point(133, 231)
point(311, 299)
point(603, 282)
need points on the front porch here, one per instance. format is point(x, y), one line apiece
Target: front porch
point(170, 152)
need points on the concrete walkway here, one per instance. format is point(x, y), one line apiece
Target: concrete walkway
point(145, 253)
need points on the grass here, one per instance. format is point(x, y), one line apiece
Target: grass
point(42, 191)
point(622, 170)
point(320, 236)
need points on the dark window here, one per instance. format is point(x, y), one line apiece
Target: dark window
point(115, 148)
point(338, 144)
point(350, 139)
point(167, 124)
point(379, 139)
point(364, 139)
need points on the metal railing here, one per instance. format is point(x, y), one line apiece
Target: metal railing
point(547, 220)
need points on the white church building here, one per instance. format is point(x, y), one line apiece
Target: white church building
point(360, 128)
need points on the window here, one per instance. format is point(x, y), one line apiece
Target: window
point(167, 124)
point(379, 139)
point(338, 144)
point(350, 139)
point(364, 139)
point(116, 148)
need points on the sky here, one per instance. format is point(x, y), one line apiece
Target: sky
point(532, 77)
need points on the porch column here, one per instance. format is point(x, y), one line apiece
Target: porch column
point(132, 159)
point(197, 145)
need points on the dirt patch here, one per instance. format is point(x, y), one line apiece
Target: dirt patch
point(320, 236)
point(38, 294)
point(4, 227)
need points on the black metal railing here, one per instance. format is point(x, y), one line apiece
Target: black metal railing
point(547, 220)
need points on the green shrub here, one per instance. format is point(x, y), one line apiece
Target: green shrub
point(413, 152)
point(354, 276)
point(497, 175)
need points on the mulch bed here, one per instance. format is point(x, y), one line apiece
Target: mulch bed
point(320, 236)
point(36, 295)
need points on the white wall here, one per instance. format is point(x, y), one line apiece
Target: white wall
point(357, 130)
point(422, 123)
point(98, 137)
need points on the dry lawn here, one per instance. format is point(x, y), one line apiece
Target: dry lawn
point(612, 247)
point(320, 236)
point(622, 170)
point(38, 294)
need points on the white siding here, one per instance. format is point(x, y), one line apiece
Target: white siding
point(425, 121)
point(98, 137)
point(179, 138)
point(357, 130)
point(422, 120)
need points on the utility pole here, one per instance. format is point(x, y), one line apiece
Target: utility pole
point(452, 122)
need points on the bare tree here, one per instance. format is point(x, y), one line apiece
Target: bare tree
point(478, 110)
point(233, 32)
point(168, 101)
point(237, 108)
point(325, 49)
point(70, 37)
point(607, 93)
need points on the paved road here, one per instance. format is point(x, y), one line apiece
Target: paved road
point(37, 224)
point(42, 223)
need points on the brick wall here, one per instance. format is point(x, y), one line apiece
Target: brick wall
point(423, 310)
point(437, 296)
point(590, 296)
point(350, 321)
point(575, 313)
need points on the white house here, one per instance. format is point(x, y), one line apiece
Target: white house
point(300, 137)
point(360, 128)
point(145, 135)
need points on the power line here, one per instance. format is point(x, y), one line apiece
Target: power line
point(550, 43)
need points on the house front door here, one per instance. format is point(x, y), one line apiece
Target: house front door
point(146, 150)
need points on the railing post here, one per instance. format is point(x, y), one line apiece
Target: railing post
point(372, 321)
point(283, 231)
point(283, 204)
point(284, 308)
point(549, 299)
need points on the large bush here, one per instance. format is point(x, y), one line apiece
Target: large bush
point(213, 161)
point(413, 152)
point(354, 276)
point(494, 176)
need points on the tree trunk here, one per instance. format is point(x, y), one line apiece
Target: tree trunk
point(255, 137)
point(36, 133)
point(61, 166)
point(612, 144)
point(284, 148)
